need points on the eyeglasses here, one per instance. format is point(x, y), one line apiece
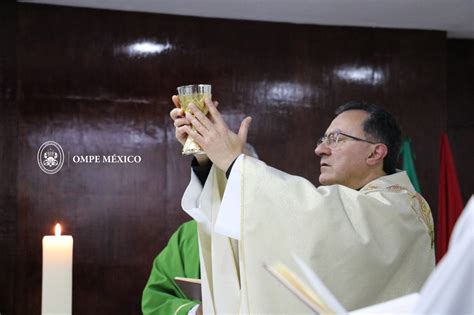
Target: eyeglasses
point(333, 138)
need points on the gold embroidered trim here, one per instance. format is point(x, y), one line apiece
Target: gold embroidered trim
point(417, 203)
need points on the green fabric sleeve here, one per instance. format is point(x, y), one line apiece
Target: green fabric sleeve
point(180, 258)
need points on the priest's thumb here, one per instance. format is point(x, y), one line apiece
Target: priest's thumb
point(244, 128)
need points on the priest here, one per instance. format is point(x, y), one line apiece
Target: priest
point(365, 231)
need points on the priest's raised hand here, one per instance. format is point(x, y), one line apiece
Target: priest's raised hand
point(221, 145)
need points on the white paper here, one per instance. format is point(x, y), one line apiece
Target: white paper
point(318, 286)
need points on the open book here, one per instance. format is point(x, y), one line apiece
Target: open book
point(191, 287)
point(319, 299)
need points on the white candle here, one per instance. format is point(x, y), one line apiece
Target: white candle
point(57, 274)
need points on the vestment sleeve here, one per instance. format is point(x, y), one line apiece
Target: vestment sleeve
point(229, 219)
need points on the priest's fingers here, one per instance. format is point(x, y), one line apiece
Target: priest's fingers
point(244, 129)
point(203, 120)
point(197, 124)
point(175, 100)
point(181, 122)
point(181, 134)
point(214, 113)
point(194, 134)
point(176, 113)
point(216, 103)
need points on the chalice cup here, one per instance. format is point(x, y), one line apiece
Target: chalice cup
point(196, 94)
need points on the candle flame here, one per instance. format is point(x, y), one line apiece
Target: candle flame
point(57, 229)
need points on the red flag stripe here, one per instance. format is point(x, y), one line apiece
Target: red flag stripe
point(450, 203)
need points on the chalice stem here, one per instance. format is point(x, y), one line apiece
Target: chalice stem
point(191, 147)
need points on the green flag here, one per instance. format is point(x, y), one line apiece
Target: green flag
point(409, 164)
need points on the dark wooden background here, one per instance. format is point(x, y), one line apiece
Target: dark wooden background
point(66, 74)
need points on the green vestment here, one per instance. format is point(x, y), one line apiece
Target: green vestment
point(180, 258)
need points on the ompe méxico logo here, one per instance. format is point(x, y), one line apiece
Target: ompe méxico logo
point(50, 157)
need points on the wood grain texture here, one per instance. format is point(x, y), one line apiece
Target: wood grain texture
point(77, 81)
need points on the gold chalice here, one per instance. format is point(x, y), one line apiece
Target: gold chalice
point(196, 94)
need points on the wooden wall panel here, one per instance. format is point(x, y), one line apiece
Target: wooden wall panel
point(460, 110)
point(8, 155)
point(80, 84)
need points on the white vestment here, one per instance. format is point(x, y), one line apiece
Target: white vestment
point(450, 288)
point(367, 246)
point(218, 254)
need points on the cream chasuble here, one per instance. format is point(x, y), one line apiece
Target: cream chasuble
point(450, 288)
point(367, 246)
point(218, 254)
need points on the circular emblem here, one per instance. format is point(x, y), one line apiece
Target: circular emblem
point(50, 157)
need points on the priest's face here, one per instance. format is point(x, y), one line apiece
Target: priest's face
point(343, 158)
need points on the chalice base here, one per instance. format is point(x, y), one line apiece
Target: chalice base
point(191, 147)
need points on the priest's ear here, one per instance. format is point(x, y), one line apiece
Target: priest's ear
point(377, 154)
